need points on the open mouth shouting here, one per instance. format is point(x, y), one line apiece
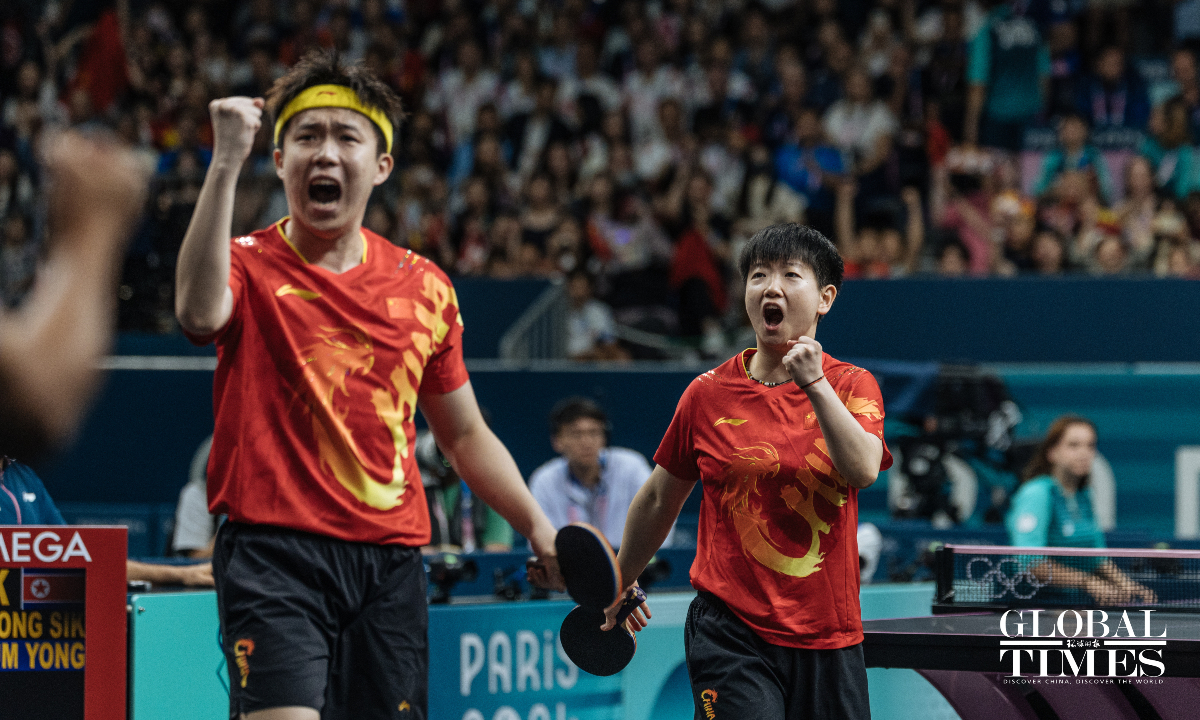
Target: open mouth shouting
point(324, 191)
point(772, 317)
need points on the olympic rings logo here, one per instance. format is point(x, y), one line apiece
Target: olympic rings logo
point(1008, 583)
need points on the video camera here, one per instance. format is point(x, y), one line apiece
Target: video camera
point(961, 427)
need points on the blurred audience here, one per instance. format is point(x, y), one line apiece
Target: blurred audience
point(591, 330)
point(1008, 72)
point(1074, 154)
point(644, 144)
point(1113, 96)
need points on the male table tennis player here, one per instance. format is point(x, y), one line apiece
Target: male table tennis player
point(328, 338)
point(782, 437)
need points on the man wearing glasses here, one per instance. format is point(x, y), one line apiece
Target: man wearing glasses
point(589, 481)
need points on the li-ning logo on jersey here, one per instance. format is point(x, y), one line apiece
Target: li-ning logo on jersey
point(729, 421)
point(287, 289)
point(242, 650)
point(708, 697)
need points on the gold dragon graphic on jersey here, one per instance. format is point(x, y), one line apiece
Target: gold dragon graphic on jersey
point(747, 490)
point(338, 353)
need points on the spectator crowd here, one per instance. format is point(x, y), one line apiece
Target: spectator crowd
point(635, 146)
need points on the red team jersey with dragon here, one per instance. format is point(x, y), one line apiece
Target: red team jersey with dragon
point(317, 380)
point(778, 533)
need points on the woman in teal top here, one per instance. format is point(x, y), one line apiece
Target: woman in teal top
point(1053, 508)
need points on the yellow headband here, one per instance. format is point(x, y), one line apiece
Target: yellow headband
point(319, 96)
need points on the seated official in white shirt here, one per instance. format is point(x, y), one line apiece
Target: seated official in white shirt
point(589, 482)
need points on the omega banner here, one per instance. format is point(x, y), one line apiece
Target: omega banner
point(62, 622)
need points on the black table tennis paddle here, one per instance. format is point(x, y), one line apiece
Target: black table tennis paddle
point(597, 651)
point(589, 566)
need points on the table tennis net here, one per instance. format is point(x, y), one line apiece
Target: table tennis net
point(992, 577)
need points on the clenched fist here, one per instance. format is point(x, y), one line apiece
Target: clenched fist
point(96, 190)
point(803, 360)
point(236, 120)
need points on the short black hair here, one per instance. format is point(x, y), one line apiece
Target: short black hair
point(325, 67)
point(792, 241)
point(568, 410)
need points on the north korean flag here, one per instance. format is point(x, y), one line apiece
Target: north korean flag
point(43, 587)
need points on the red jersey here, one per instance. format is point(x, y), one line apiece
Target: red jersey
point(778, 534)
point(317, 380)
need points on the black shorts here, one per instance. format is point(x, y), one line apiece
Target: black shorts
point(311, 621)
point(737, 674)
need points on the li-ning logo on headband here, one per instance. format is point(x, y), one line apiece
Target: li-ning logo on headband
point(1082, 646)
point(329, 95)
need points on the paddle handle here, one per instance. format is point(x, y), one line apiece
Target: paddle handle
point(631, 603)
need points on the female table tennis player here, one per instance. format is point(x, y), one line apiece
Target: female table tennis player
point(781, 437)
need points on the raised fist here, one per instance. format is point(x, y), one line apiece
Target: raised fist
point(96, 189)
point(236, 120)
point(803, 360)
